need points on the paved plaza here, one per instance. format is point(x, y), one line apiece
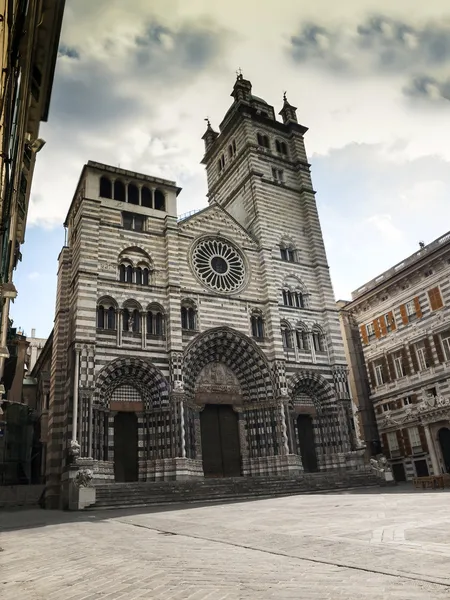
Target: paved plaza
point(363, 544)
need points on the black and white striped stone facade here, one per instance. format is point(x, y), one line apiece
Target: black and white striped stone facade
point(141, 356)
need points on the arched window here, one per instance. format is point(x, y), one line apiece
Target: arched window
point(145, 277)
point(146, 197)
point(302, 338)
point(318, 340)
point(188, 318)
point(138, 275)
point(287, 253)
point(133, 194)
point(101, 317)
point(160, 200)
point(136, 320)
point(281, 147)
point(125, 319)
point(298, 300)
point(286, 335)
point(122, 273)
point(257, 323)
point(111, 318)
point(295, 298)
point(129, 274)
point(119, 190)
point(263, 140)
point(105, 187)
point(155, 322)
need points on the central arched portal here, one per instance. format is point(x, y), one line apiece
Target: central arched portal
point(306, 443)
point(125, 447)
point(220, 441)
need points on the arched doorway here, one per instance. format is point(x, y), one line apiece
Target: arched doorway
point(444, 441)
point(220, 441)
point(125, 447)
point(306, 442)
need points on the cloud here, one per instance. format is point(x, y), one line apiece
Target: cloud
point(33, 276)
point(379, 45)
point(384, 226)
point(425, 87)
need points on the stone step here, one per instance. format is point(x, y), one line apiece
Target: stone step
point(137, 494)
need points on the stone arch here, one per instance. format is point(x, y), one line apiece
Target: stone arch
point(314, 385)
point(139, 253)
point(109, 300)
point(236, 351)
point(138, 373)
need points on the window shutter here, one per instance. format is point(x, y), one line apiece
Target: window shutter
point(415, 364)
point(364, 336)
point(423, 438)
point(391, 366)
point(417, 306)
point(404, 314)
point(376, 326)
point(401, 443)
point(428, 352)
point(384, 365)
point(392, 321)
point(407, 442)
point(385, 446)
point(435, 298)
point(383, 325)
point(405, 360)
point(373, 381)
point(439, 352)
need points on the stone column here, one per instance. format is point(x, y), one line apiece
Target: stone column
point(183, 433)
point(284, 428)
point(119, 327)
point(432, 450)
point(143, 328)
point(90, 427)
point(75, 395)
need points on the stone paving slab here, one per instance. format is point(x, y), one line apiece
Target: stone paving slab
point(369, 544)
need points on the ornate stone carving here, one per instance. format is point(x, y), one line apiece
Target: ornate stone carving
point(83, 478)
point(380, 464)
point(217, 377)
point(74, 448)
point(178, 386)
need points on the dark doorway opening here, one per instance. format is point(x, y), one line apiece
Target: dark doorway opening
point(220, 441)
point(444, 441)
point(398, 471)
point(125, 447)
point(421, 468)
point(306, 443)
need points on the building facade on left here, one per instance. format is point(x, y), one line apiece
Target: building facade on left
point(29, 32)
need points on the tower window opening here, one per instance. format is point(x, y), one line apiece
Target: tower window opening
point(160, 200)
point(221, 163)
point(133, 221)
point(133, 194)
point(263, 140)
point(281, 147)
point(105, 187)
point(278, 175)
point(119, 190)
point(146, 197)
point(257, 323)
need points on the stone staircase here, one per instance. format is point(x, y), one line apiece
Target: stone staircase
point(137, 494)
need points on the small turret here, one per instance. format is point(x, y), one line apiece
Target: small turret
point(288, 112)
point(209, 136)
point(242, 90)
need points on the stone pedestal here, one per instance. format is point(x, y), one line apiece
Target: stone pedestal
point(287, 464)
point(171, 469)
point(81, 497)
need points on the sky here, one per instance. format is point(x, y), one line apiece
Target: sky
point(135, 81)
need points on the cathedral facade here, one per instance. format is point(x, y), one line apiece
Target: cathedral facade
point(204, 346)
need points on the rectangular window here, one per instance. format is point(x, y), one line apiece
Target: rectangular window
point(411, 310)
point(393, 442)
point(407, 401)
point(379, 374)
point(431, 392)
point(390, 321)
point(435, 298)
point(386, 407)
point(445, 341)
point(398, 365)
point(370, 330)
point(133, 222)
point(422, 358)
point(414, 438)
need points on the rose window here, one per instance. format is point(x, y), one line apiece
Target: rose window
point(218, 265)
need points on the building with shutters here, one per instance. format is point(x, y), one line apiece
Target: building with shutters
point(399, 325)
point(206, 345)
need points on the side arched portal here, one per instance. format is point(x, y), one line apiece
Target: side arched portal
point(316, 430)
point(134, 424)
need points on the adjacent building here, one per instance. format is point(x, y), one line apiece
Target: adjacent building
point(398, 324)
point(208, 346)
point(29, 33)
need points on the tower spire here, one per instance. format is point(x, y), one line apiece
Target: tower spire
point(210, 135)
point(242, 89)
